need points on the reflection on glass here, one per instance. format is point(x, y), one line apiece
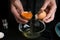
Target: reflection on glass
point(32, 30)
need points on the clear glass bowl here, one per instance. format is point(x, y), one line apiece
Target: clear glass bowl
point(32, 32)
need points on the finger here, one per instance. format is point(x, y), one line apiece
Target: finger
point(18, 5)
point(45, 4)
point(14, 11)
point(19, 21)
point(53, 8)
point(52, 11)
point(51, 18)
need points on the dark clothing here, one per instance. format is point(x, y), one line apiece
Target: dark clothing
point(32, 5)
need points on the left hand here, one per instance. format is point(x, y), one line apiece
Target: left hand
point(50, 7)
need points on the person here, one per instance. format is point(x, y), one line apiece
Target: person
point(17, 4)
point(17, 8)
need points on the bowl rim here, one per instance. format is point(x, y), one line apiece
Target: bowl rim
point(20, 26)
point(56, 29)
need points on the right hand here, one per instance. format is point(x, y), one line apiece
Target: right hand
point(17, 9)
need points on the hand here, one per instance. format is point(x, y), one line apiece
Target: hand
point(17, 9)
point(50, 7)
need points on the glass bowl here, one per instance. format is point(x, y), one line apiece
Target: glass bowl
point(32, 32)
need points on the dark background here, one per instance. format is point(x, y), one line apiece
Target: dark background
point(12, 33)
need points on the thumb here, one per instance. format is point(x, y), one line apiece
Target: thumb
point(45, 4)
